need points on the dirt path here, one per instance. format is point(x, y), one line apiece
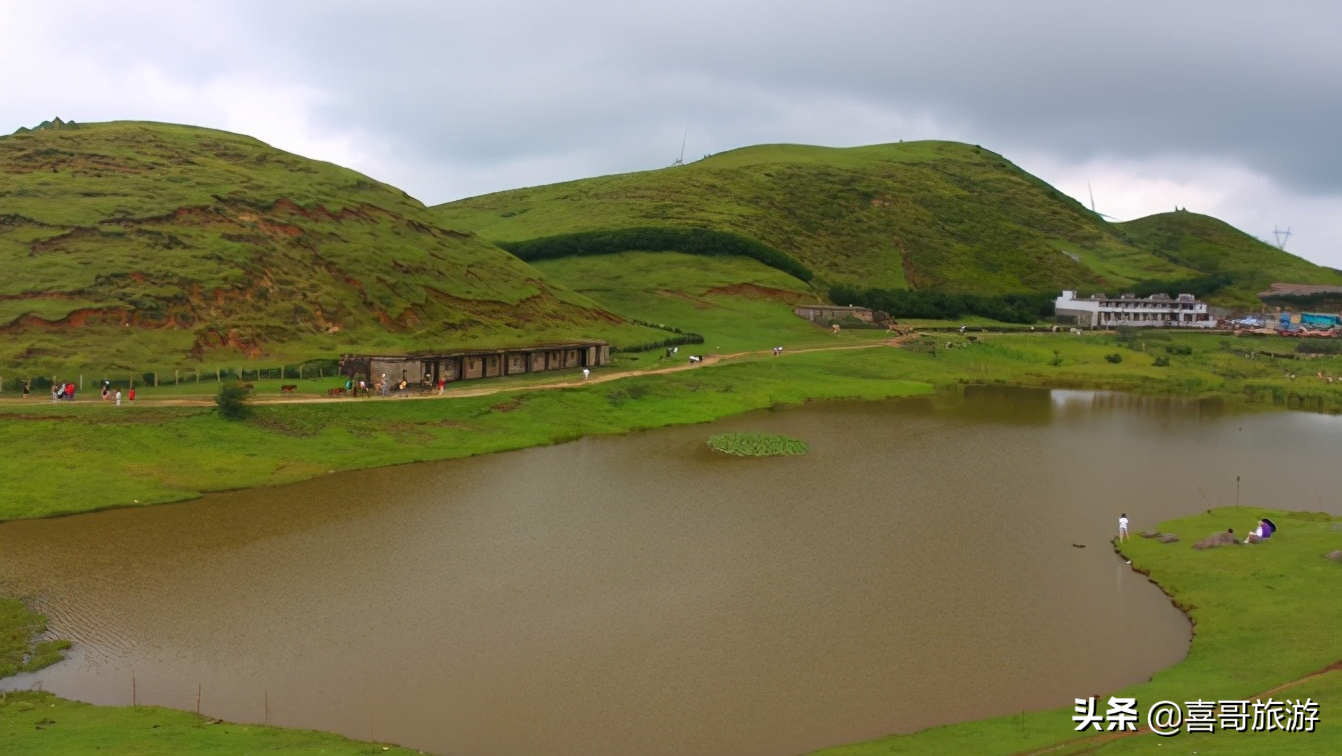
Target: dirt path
point(600, 377)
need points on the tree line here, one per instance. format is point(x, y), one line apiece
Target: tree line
point(691, 241)
point(934, 304)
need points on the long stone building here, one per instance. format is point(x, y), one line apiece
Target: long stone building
point(476, 363)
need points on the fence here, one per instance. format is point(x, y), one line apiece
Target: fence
point(13, 382)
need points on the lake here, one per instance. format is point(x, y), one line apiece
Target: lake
point(642, 595)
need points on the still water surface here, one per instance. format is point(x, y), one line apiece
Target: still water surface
point(638, 595)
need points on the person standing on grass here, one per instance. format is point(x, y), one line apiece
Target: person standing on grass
point(1123, 527)
point(130, 395)
point(586, 374)
point(118, 397)
point(27, 386)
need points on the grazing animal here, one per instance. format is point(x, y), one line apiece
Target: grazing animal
point(338, 391)
point(289, 389)
point(248, 386)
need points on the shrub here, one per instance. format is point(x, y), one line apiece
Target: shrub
point(693, 241)
point(942, 305)
point(1114, 358)
point(1162, 362)
point(232, 401)
point(1178, 350)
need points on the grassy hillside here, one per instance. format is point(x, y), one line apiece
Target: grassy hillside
point(919, 214)
point(127, 245)
point(915, 215)
point(1215, 247)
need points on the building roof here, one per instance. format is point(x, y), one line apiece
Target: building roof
point(481, 352)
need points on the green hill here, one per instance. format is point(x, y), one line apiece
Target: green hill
point(919, 215)
point(135, 244)
point(1217, 248)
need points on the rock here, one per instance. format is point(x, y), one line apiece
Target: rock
point(1216, 539)
point(1169, 538)
point(1150, 534)
point(1336, 556)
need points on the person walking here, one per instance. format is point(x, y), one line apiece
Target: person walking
point(118, 397)
point(1123, 527)
point(131, 394)
point(586, 374)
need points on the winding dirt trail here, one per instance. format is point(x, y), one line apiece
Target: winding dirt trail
point(566, 382)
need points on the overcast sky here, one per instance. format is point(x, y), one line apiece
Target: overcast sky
point(1226, 107)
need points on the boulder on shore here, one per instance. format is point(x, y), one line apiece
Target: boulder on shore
point(1336, 556)
point(1150, 534)
point(1216, 539)
point(1169, 538)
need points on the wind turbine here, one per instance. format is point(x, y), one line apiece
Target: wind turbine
point(1092, 203)
point(681, 160)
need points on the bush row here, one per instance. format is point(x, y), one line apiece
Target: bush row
point(692, 241)
point(941, 305)
point(688, 338)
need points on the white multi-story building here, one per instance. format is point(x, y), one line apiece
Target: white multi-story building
point(1100, 311)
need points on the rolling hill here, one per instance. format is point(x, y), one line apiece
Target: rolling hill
point(128, 244)
point(918, 215)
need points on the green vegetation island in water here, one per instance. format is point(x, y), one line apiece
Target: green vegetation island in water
point(756, 445)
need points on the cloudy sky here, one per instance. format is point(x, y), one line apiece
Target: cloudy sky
point(1226, 107)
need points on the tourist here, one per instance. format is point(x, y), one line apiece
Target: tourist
point(586, 374)
point(441, 384)
point(1123, 527)
point(27, 385)
point(1260, 533)
point(130, 395)
point(384, 386)
point(118, 397)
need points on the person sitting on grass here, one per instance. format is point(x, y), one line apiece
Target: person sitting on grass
point(1260, 533)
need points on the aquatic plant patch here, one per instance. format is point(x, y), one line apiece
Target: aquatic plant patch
point(756, 445)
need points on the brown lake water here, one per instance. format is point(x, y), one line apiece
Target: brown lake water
point(639, 595)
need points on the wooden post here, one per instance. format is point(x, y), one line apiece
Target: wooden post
point(267, 692)
point(197, 699)
point(155, 379)
point(134, 697)
point(175, 378)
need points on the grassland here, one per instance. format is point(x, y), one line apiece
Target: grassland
point(909, 215)
point(140, 246)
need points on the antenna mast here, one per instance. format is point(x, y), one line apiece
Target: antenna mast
point(1281, 236)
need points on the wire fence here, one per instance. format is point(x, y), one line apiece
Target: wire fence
point(17, 382)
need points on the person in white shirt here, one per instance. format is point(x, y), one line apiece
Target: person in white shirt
point(1123, 527)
